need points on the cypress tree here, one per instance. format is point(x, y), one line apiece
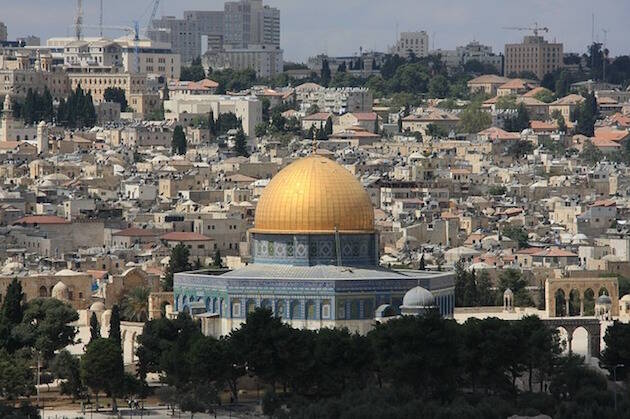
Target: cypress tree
point(212, 124)
point(12, 310)
point(179, 144)
point(95, 329)
point(114, 325)
point(217, 259)
point(240, 143)
point(328, 128)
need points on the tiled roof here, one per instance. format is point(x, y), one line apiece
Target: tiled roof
point(41, 219)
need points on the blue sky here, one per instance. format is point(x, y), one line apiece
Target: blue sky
point(342, 26)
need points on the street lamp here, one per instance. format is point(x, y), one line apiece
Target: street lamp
point(615, 378)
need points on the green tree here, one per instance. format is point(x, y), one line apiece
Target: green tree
point(474, 119)
point(559, 118)
point(135, 304)
point(617, 351)
point(178, 263)
point(102, 368)
point(67, 367)
point(212, 125)
point(439, 87)
point(47, 326)
point(261, 129)
point(16, 378)
point(95, 328)
point(114, 326)
point(240, 143)
point(518, 234)
point(587, 113)
point(328, 128)
point(513, 279)
point(179, 143)
point(520, 148)
point(410, 352)
point(194, 72)
point(217, 262)
point(544, 95)
point(325, 73)
point(117, 95)
point(520, 121)
point(591, 154)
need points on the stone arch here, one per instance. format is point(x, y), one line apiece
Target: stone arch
point(43, 292)
point(215, 308)
point(603, 289)
point(560, 303)
point(310, 310)
point(580, 339)
point(575, 303)
point(589, 302)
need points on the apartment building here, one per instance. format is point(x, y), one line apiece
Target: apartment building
point(534, 54)
point(412, 43)
point(335, 100)
point(266, 59)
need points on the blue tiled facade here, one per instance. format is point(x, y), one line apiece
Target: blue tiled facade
point(327, 299)
point(315, 249)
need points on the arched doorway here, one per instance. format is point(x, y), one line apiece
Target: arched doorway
point(589, 302)
point(43, 292)
point(561, 305)
point(574, 303)
point(581, 342)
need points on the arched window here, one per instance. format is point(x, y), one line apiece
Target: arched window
point(281, 309)
point(310, 310)
point(43, 292)
point(295, 310)
point(251, 306)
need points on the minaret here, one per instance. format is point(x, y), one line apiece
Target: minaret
point(42, 138)
point(7, 118)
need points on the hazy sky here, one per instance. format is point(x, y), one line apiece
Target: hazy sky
point(342, 26)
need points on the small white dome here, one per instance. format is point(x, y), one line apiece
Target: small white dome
point(60, 291)
point(418, 297)
point(68, 272)
point(625, 298)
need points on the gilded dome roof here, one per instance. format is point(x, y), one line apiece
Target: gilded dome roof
point(311, 195)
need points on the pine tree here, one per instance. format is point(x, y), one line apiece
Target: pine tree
point(95, 328)
point(240, 143)
point(114, 325)
point(179, 143)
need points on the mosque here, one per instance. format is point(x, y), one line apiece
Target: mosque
point(314, 261)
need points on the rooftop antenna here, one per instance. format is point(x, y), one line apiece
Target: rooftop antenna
point(100, 17)
point(78, 20)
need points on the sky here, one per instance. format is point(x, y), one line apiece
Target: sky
point(341, 27)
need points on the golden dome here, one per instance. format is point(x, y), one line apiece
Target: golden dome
point(314, 195)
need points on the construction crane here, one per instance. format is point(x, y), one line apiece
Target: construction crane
point(154, 11)
point(535, 29)
point(78, 20)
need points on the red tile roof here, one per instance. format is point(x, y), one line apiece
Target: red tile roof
point(41, 219)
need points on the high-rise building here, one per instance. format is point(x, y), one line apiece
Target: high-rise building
point(249, 22)
point(416, 43)
point(535, 55)
point(184, 36)
point(210, 24)
point(3, 32)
